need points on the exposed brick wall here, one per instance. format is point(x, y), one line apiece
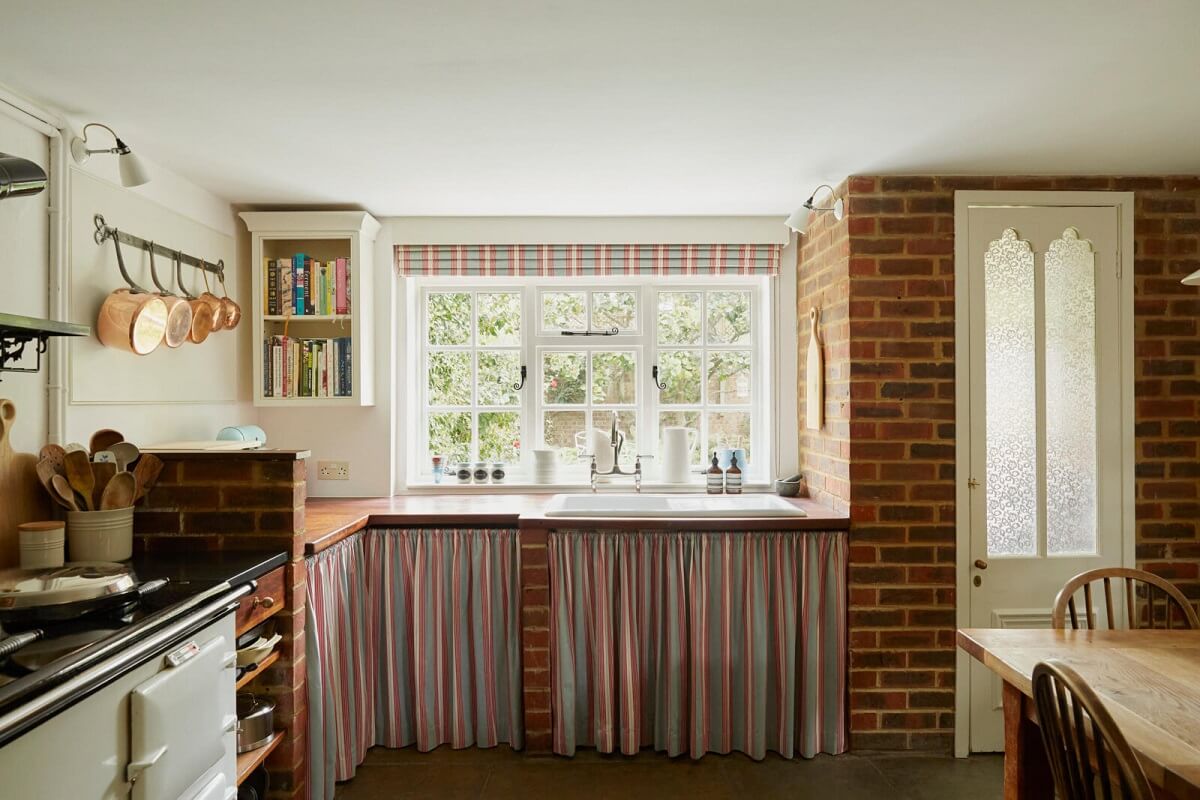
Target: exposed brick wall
point(244, 502)
point(535, 639)
point(901, 338)
point(824, 283)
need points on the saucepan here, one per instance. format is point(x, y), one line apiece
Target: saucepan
point(131, 319)
point(202, 313)
point(179, 313)
point(256, 721)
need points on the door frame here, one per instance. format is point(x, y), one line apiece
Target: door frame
point(963, 201)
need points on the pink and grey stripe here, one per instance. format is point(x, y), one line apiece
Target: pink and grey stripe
point(698, 642)
point(412, 638)
point(586, 260)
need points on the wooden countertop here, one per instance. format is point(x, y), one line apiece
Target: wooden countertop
point(329, 520)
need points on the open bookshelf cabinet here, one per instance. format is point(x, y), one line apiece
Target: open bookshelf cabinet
point(321, 352)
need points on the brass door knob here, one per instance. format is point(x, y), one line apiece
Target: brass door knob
point(980, 564)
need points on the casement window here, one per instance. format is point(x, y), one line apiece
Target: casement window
point(505, 365)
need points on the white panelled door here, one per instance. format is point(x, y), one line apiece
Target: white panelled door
point(1043, 456)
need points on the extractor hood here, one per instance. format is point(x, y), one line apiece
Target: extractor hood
point(20, 177)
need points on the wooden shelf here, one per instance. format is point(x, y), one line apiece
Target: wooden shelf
point(259, 670)
point(308, 318)
point(249, 761)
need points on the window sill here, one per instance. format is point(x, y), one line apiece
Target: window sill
point(518, 486)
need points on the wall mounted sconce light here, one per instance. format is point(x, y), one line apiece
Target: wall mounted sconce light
point(20, 176)
point(133, 171)
point(798, 221)
point(1192, 280)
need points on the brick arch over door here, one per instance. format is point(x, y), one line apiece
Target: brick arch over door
point(884, 277)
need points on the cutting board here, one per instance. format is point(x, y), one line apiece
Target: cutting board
point(22, 498)
point(814, 381)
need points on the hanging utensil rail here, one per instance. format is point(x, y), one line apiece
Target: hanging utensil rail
point(104, 233)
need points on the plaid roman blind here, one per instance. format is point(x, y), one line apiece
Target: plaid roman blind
point(569, 260)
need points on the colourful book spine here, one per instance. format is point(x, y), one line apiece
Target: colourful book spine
point(339, 292)
point(276, 368)
point(298, 283)
point(272, 288)
point(327, 285)
point(287, 279)
point(308, 285)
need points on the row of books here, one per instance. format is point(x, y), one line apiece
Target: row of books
point(304, 287)
point(307, 367)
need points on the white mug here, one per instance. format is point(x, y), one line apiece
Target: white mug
point(677, 444)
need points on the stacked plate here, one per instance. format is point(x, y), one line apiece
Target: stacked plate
point(545, 466)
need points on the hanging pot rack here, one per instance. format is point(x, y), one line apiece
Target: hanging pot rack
point(104, 232)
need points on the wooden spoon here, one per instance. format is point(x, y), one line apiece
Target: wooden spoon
point(54, 455)
point(146, 472)
point(119, 492)
point(102, 472)
point(126, 453)
point(64, 493)
point(79, 473)
point(46, 473)
point(104, 439)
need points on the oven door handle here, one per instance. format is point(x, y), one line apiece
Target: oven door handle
point(136, 768)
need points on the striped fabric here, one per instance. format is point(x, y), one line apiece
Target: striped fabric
point(572, 260)
point(413, 638)
point(696, 643)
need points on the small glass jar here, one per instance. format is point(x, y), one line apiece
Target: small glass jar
point(438, 469)
point(463, 473)
point(498, 473)
point(481, 472)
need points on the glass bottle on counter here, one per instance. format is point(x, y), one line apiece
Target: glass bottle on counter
point(733, 476)
point(716, 478)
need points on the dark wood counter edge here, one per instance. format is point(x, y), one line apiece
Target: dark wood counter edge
point(345, 525)
point(262, 453)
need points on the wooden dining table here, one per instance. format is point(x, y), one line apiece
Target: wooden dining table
point(1149, 680)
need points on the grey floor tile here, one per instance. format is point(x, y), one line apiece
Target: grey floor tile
point(979, 777)
point(445, 781)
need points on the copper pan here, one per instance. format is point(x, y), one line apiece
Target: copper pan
point(179, 313)
point(131, 319)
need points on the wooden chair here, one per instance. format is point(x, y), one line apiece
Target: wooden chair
point(1172, 599)
point(1085, 763)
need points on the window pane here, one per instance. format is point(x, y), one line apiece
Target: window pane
point(681, 419)
point(450, 378)
point(450, 435)
point(679, 370)
point(614, 310)
point(564, 378)
point(729, 377)
point(499, 372)
point(449, 317)
point(499, 318)
point(728, 317)
point(1070, 395)
point(729, 429)
point(500, 436)
point(626, 424)
point(614, 378)
point(559, 433)
point(679, 317)
point(1010, 425)
point(564, 311)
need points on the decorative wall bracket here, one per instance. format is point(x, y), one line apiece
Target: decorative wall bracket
point(16, 332)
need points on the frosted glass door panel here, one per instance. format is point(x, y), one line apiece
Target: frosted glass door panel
point(1070, 395)
point(1011, 397)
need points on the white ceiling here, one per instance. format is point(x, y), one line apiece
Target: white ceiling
point(478, 107)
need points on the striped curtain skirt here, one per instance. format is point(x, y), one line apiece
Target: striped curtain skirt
point(412, 637)
point(698, 642)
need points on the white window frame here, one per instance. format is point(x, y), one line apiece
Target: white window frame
point(535, 341)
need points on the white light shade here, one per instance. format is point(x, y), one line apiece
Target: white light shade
point(133, 171)
point(1192, 280)
point(798, 221)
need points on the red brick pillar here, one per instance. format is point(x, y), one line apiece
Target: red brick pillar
point(535, 639)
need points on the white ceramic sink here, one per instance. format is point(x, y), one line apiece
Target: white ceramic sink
point(670, 505)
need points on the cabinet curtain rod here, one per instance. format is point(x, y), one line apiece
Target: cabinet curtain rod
point(104, 233)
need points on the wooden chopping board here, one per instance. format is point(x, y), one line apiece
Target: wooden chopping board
point(814, 381)
point(22, 498)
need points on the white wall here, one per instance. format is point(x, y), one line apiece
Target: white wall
point(24, 265)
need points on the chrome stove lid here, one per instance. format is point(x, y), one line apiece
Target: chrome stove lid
point(74, 582)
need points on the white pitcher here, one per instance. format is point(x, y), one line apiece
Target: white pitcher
point(602, 447)
point(677, 444)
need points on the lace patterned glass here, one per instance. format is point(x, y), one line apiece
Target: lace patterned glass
point(1011, 418)
point(1070, 395)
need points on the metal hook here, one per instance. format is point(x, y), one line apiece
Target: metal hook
point(179, 276)
point(154, 272)
point(662, 387)
point(519, 386)
point(102, 229)
point(133, 287)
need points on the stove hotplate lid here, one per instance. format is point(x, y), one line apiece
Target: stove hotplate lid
point(72, 583)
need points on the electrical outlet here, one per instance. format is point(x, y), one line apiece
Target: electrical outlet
point(333, 470)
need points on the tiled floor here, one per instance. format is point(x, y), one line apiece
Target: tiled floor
point(501, 773)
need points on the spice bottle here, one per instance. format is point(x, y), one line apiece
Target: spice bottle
point(733, 476)
point(716, 478)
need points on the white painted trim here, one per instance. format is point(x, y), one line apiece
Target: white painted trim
point(1124, 203)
